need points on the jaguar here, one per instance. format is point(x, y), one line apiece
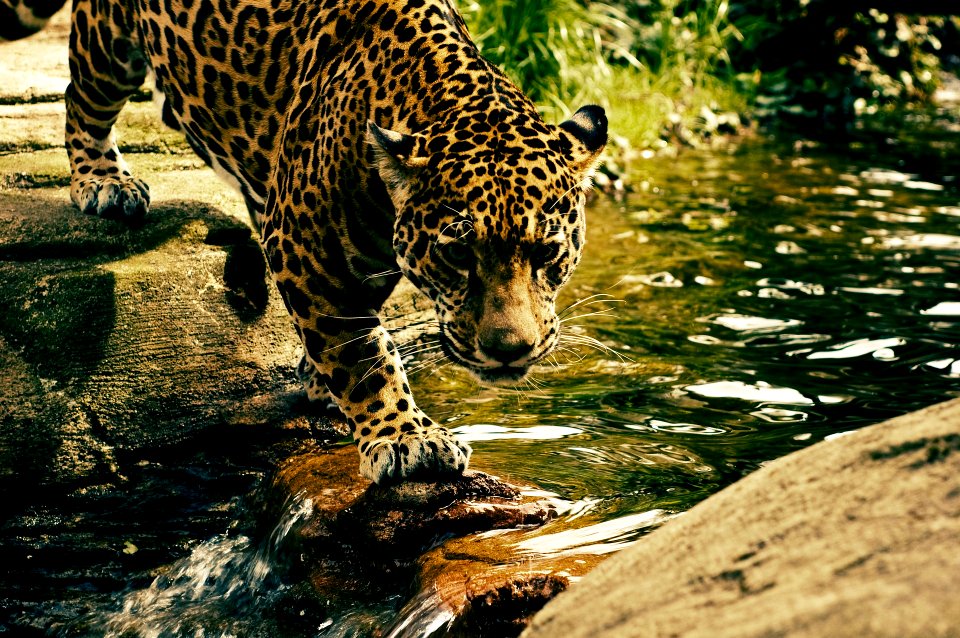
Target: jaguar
point(370, 141)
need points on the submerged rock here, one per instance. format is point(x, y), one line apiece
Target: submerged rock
point(856, 536)
point(396, 522)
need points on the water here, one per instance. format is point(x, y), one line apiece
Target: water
point(750, 301)
point(219, 590)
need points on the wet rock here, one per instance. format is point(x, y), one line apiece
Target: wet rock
point(395, 523)
point(486, 585)
point(362, 542)
point(468, 545)
point(856, 536)
point(502, 607)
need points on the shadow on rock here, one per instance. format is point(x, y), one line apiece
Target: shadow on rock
point(35, 228)
point(129, 338)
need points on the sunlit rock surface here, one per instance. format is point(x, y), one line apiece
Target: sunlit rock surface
point(110, 342)
point(856, 536)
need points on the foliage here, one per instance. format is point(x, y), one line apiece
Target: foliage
point(852, 61)
point(676, 69)
point(655, 68)
point(555, 49)
point(688, 37)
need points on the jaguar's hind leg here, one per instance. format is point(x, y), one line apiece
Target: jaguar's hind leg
point(106, 68)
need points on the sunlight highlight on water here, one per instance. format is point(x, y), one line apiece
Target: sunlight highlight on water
point(858, 348)
point(759, 392)
point(487, 432)
point(601, 538)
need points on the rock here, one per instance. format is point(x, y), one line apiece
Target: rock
point(133, 327)
point(138, 129)
point(462, 542)
point(373, 525)
point(856, 536)
point(117, 340)
point(485, 585)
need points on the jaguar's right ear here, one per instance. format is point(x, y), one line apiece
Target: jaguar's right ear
point(396, 157)
point(586, 135)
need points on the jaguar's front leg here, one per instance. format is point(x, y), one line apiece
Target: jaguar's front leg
point(348, 351)
point(395, 438)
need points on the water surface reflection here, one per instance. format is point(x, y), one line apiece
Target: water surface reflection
point(753, 300)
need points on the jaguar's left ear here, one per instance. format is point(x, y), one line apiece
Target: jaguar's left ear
point(586, 134)
point(396, 157)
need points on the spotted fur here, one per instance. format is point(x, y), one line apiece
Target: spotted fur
point(364, 135)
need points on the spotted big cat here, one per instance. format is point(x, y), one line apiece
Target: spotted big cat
point(370, 141)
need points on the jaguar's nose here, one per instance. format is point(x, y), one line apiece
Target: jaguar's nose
point(505, 345)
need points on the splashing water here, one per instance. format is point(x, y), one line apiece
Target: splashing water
point(208, 593)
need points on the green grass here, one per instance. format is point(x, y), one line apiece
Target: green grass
point(557, 50)
point(652, 110)
point(675, 70)
point(659, 78)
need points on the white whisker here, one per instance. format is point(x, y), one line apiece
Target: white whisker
point(425, 363)
point(606, 312)
point(370, 339)
point(385, 273)
point(590, 342)
point(559, 199)
point(439, 367)
point(370, 371)
point(600, 297)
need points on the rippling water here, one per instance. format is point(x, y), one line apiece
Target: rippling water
point(751, 301)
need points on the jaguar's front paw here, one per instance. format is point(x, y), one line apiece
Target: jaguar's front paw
point(425, 452)
point(112, 197)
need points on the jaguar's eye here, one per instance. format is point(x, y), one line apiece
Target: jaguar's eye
point(457, 254)
point(544, 254)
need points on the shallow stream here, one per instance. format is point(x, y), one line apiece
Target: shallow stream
point(749, 301)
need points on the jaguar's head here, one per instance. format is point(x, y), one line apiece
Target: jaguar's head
point(490, 225)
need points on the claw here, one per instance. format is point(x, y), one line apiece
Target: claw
point(429, 452)
point(124, 198)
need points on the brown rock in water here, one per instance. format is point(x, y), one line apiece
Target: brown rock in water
point(856, 536)
point(394, 523)
point(486, 587)
point(363, 540)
